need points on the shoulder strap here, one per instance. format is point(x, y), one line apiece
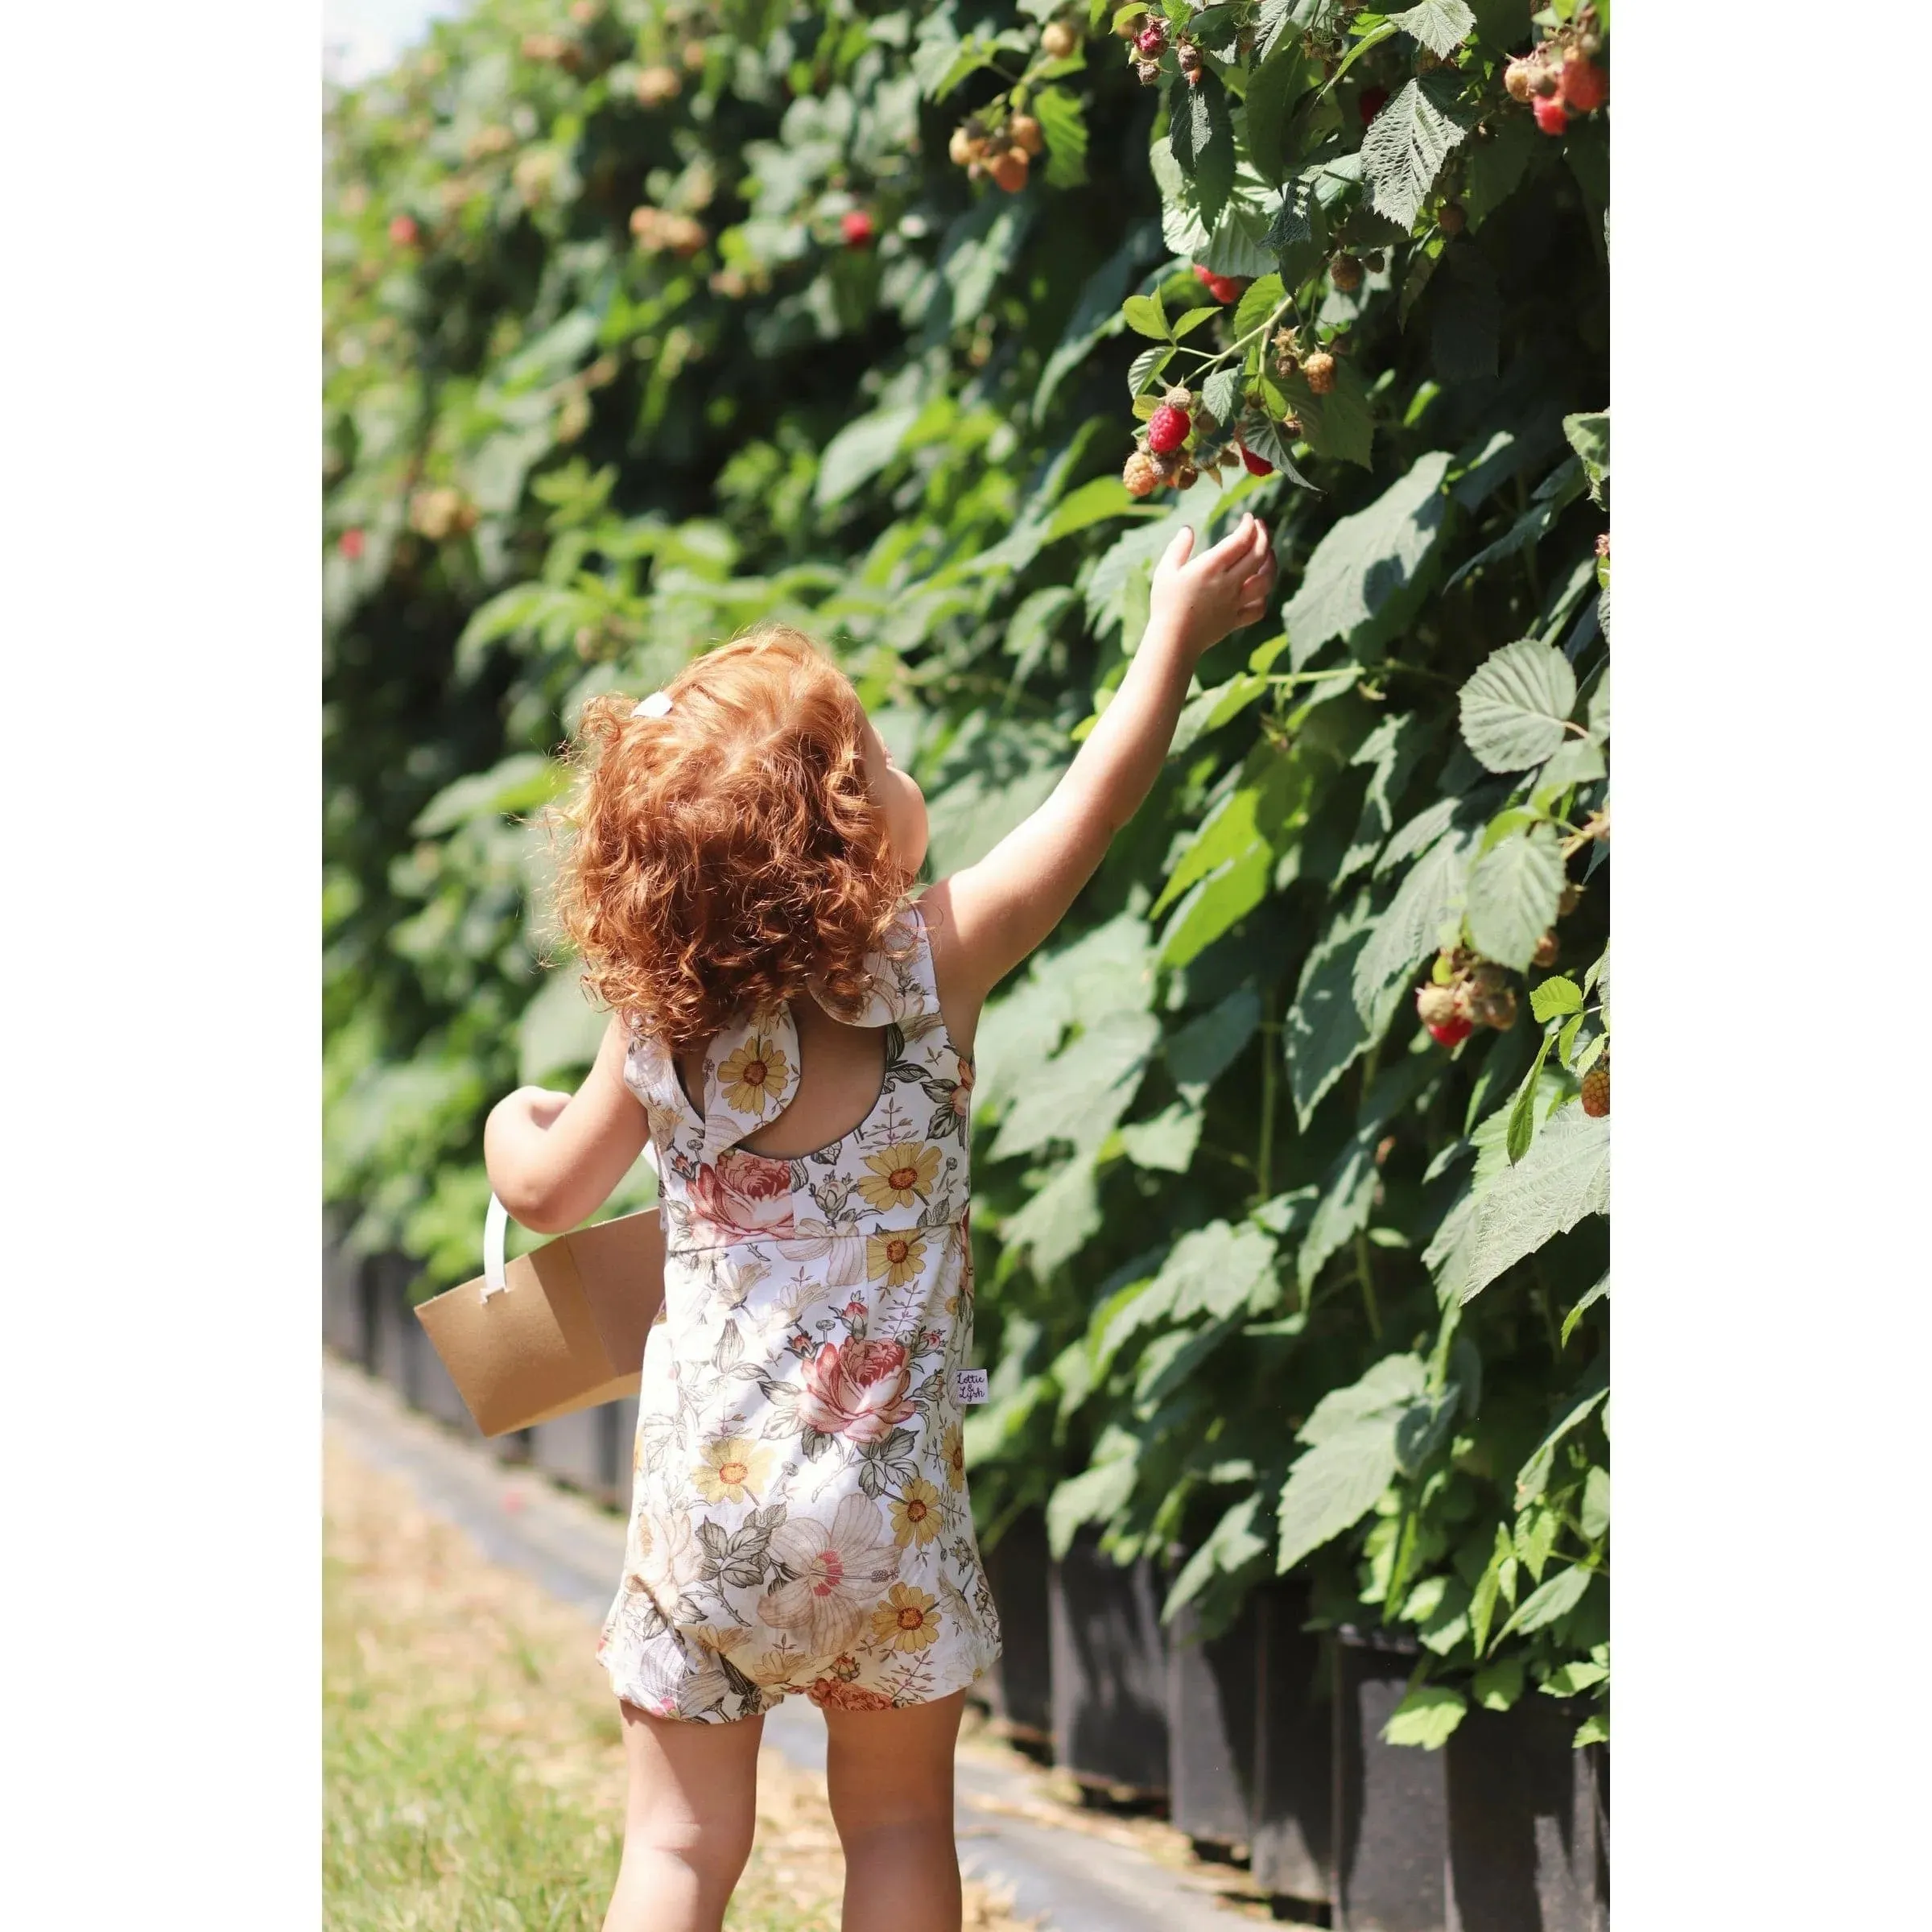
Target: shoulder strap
point(903, 989)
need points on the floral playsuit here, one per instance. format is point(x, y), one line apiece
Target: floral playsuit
point(799, 1518)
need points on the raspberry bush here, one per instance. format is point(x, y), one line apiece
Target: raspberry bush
point(925, 328)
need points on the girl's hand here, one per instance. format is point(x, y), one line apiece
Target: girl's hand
point(1200, 599)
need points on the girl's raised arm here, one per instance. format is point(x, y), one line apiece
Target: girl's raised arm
point(993, 914)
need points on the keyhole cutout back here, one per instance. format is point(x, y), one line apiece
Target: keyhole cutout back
point(841, 1080)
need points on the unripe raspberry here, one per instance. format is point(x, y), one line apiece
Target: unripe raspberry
point(1519, 79)
point(1059, 39)
point(1496, 1009)
point(959, 149)
point(1148, 71)
point(1550, 115)
point(1435, 1005)
point(1597, 1089)
point(1547, 949)
point(1189, 56)
point(1008, 169)
point(1024, 132)
point(1583, 84)
point(1570, 898)
point(1186, 476)
point(1167, 429)
point(1142, 474)
point(1545, 79)
point(1319, 372)
point(1345, 272)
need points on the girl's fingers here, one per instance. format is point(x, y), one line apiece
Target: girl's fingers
point(1179, 551)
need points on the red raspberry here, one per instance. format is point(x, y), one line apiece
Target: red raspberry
point(1167, 429)
point(350, 544)
point(402, 231)
point(1256, 466)
point(1371, 103)
point(1550, 115)
point(1152, 39)
point(1597, 1089)
point(856, 225)
point(1584, 86)
point(1450, 1032)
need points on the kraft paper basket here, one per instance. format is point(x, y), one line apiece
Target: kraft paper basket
point(558, 1329)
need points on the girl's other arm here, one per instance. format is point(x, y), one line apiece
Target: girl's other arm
point(993, 914)
point(554, 1158)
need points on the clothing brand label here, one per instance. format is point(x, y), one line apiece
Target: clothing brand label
point(969, 1385)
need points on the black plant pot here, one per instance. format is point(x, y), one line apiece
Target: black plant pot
point(1019, 1687)
point(1529, 1830)
point(1391, 1801)
point(345, 1315)
point(582, 1450)
point(1292, 1843)
point(1212, 1705)
point(1109, 1671)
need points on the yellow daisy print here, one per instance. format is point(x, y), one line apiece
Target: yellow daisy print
point(915, 1513)
point(753, 1075)
point(895, 1258)
point(908, 1620)
point(899, 1174)
point(952, 1453)
point(733, 1468)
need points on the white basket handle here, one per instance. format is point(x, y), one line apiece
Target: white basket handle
point(496, 1226)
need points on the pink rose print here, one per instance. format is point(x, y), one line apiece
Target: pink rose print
point(856, 1390)
point(742, 1196)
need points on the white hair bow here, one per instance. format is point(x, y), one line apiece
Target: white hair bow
point(653, 707)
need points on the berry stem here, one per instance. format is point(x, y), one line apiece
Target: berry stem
point(1264, 1152)
point(1364, 1273)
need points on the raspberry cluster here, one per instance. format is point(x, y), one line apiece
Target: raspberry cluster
point(1561, 77)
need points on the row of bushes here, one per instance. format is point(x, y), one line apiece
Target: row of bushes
point(645, 322)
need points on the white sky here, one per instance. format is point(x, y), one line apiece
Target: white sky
point(362, 37)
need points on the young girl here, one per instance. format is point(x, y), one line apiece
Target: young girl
point(793, 1033)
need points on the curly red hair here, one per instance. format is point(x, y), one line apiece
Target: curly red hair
point(729, 853)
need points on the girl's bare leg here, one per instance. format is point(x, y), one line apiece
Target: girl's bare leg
point(687, 1821)
point(888, 1774)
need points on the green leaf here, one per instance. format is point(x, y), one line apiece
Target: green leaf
point(1218, 902)
point(1442, 26)
point(1590, 1298)
point(1425, 1717)
point(1556, 994)
point(1592, 1389)
point(1516, 705)
point(1063, 121)
point(859, 451)
point(1258, 302)
point(1595, 1729)
point(1200, 1052)
point(1385, 1390)
point(1339, 426)
point(1332, 1487)
point(1274, 87)
point(1167, 1142)
point(1145, 316)
point(1146, 365)
point(1565, 1176)
point(1266, 438)
point(1593, 1512)
point(1514, 893)
point(1496, 167)
point(1554, 1598)
point(1407, 142)
point(1365, 559)
point(1201, 136)
point(1091, 1497)
point(1214, 1269)
point(1324, 1031)
point(1221, 394)
point(1059, 1220)
point(1431, 893)
point(1590, 437)
point(1522, 1113)
point(1095, 501)
point(1498, 1684)
point(1084, 1091)
point(1230, 1546)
